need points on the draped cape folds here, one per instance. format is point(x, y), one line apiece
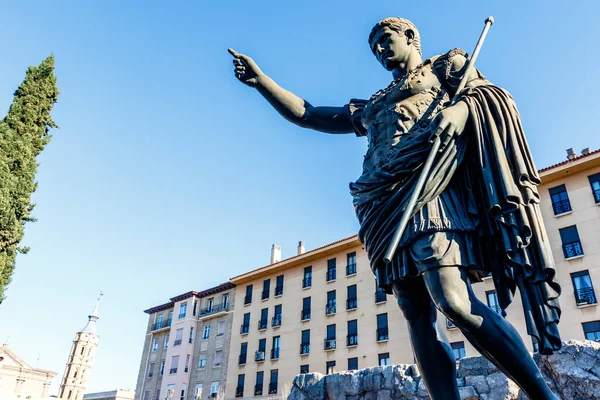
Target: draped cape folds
point(491, 158)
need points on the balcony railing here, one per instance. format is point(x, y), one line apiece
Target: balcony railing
point(181, 315)
point(352, 340)
point(216, 308)
point(561, 207)
point(350, 269)
point(262, 324)
point(380, 296)
point(278, 290)
point(247, 299)
point(265, 294)
point(304, 315)
point(597, 195)
point(330, 309)
point(275, 353)
point(239, 391)
point(259, 355)
point(258, 389)
point(272, 387)
point(307, 282)
point(305, 348)
point(330, 344)
point(351, 304)
point(276, 320)
point(244, 329)
point(177, 342)
point(161, 325)
point(572, 249)
point(382, 334)
point(330, 276)
point(585, 296)
point(173, 371)
point(242, 359)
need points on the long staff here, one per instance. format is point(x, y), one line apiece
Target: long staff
point(434, 149)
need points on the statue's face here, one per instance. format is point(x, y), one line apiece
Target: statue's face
point(390, 47)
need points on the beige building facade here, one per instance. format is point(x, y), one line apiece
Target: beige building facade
point(20, 380)
point(118, 394)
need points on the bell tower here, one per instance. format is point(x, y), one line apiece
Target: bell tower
point(81, 358)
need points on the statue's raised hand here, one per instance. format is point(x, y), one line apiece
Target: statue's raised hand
point(245, 69)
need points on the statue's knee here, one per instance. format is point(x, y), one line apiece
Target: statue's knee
point(454, 308)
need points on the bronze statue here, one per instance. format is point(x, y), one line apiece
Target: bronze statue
point(477, 214)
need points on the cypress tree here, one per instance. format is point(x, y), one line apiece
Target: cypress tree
point(23, 134)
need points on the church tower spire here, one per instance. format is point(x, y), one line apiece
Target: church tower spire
point(81, 358)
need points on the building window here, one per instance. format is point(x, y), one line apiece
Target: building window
point(170, 320)
point(330, 270)
point(331, 303)
point(159, 322)
point(279, 286)
point(592, 330)
point(258, 388)
point(266, 289)
point(191, 339)
point(178, 337)
point(535, 344)
point(155, 344)
point(197, 393)
point(458, 349)
point(220, 328)
point(352, 338)
point(263, 322)
point(570, 242)
point(275, 348)
point(225, 301)
point(492, 301)
point(243, 353)
point(276, 321)
point(147, 395)
point(182, 310)
point(307, 281)
point(273, 381)
point(382, 327)
point(330, 337)
point(305, 342)
point(560, 200)
point(260, 353)
point(187, 363)
point(329, 367)
point(245, 328)
point(183, 389)
point(305, 309)
point(206, 332)
point(202, 361)
point(352, 363)
point(194, 311)
point(174, 362)
point(161, 371)
point(384, 359)
point(214, 388)
point(351, 301)
point(304, 369)
point(380, 296)
point(351, 263)
point(584, 291)
point(595, 183)
point(150, 370)
point(248, 297)
point(450, 324)
point(210, 304)
point(166, 343)
point(170, 392)
point(239, 390)
point(218, 358)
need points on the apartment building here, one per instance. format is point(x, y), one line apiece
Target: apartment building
point(187, 346)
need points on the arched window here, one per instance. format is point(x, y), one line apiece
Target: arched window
point(75, 373)
point(70, 393)
point(82, 350)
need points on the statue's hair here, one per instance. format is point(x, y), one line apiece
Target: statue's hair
point(399, 25)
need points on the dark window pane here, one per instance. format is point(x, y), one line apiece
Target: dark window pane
point(352, 363)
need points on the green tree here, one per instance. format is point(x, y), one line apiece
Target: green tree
point(23, 134)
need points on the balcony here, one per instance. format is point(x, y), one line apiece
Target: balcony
point(177, 342)
point(380, 296)
point(275, 353)
point(244, 329)
point(161, 325)
point(330, 275)
point(351, 304)
point(264, 295)
point(247, 300)
point(305, 315)
point(307, 282)
point(572, 249)
point(305, 348)
point(330, 309)
point(585, 296)
point(173, 371)
point(258, 389)
point(330, 344)
point(239, 391)
point(242, 359)
point(262, 324)
point(561, 207)
point(214, 311)
point(382, 334)
point(259, 355)
point(278, 291)
point(272, 387)
point(276, 320)
point(352, 340)
point(350, 269)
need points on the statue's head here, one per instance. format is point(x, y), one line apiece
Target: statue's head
point(392, 40)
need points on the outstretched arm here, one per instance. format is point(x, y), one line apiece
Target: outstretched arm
point(290, 106)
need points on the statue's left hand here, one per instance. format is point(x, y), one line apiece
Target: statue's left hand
point(449, 123)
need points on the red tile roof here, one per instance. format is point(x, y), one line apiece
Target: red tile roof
point(576, 158)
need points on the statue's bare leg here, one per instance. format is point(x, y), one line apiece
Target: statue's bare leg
point(430, 345)
point(494, 336)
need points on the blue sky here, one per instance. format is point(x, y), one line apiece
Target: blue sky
point(167, 175)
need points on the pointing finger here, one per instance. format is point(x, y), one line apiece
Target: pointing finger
point(233, 52)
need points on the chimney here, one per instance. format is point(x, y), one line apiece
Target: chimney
point(275, 253)
point(571, 154)
point(301, 249)
point(585, 151)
